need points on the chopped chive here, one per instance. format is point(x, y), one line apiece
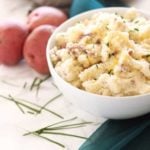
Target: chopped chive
point(70, 125)
point(121, 17)
point(137, 21)
point(51, 100)
point(48, 110)
point(50, 140)
point(29, 105)
point(96, 66)
point(54, 129)
point(110, 71)
point(64, 128)
point(57, 123)
point(64, 134)
point(33, 83)
point(25, 85)
point(22, 104)
point(30, 112)
point(107, 27)
point(37, 83)
point(136, 29)
point(108, 44)
point(54, 85)
point(17, 105)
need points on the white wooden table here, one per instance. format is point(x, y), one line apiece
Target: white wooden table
point(13, 123)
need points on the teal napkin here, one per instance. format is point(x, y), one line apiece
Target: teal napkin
point(79, 6)
point(131, 134)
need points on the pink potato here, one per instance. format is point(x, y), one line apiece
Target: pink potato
point(35, 48)
point(12, 37)
point(45, 15)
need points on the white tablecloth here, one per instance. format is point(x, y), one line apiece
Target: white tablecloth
point(13, 123)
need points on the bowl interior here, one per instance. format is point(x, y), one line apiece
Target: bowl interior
point(106, 106)
point(71, 22)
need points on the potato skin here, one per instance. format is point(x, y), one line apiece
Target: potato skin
point(12, 37)
point(45, 15)
point(35, 48)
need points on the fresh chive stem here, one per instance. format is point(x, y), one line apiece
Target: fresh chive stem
point(21, 109)
point(70, 125)
point(37, 83)
point(47, 103)
point(25, 85)
point(30, 112)
point(38, 106)
point(50, 140)
point(57, 123)
point(64, 134)
point(53, 129)
point(64, 128)
point(54, 85)
point(33, 83)
point(22, 102)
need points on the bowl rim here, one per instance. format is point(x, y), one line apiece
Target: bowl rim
point(51, 39)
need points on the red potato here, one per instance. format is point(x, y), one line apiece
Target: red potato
point(45, 15)
point(35, 48)
point(12, 37)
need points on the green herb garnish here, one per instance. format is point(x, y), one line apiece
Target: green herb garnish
point(136, 29)
point(96, 66)
point(107, 27)
point(25, 85)
point(116, 13)
point(54, 85)
point(17, 104)
point(37, 82)
point(54, 129)
point(137, 21)
point(121, 17)
point(31, 107)
point(49, 140)
point(108, 44)
point(110, 72)
point(47, 103)
point(64, 134)
point(33, 83)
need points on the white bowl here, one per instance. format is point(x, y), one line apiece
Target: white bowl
point(102, 106)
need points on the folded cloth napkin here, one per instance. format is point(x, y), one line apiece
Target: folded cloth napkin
point(79, 6)
point(131, 134)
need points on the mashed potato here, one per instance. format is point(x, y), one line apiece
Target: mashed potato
point(106, 54)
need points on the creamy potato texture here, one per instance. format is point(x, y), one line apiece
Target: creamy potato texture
point(106, 54)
